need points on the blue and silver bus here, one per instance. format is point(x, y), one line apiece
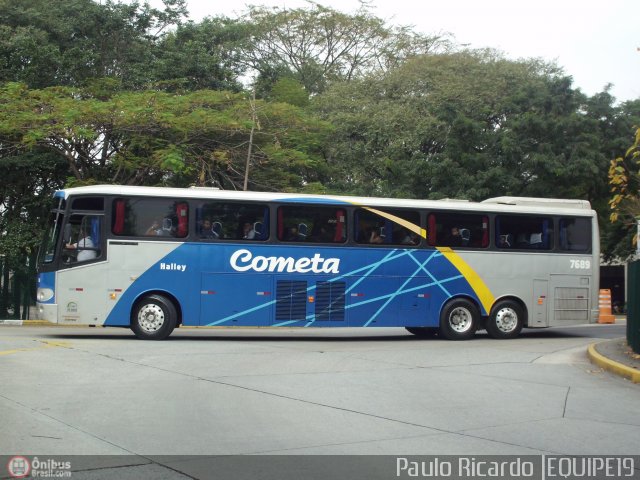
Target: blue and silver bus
point(153, 259)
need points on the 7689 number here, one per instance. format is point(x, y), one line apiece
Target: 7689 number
point(580, 264)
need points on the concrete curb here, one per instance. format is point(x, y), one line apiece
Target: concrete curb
point(11, 322)
point(612, 366)
point(25, 323)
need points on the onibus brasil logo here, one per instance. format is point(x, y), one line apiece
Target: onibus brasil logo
point(19, 467)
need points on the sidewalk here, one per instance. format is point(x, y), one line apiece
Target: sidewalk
point(617, 357)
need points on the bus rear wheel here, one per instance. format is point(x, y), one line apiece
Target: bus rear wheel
point(423, 332)
point(153, 318)
point(506, 320)
point(459, 319)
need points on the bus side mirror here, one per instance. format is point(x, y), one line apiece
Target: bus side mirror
point(67, 234)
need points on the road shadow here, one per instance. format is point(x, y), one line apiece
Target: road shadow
point(270, 334)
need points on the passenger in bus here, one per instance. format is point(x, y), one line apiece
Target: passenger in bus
point(505, 241)
point(374, 236)
point(324, 234)
point(293, 235)
point(248, 233)
point(454, 239)
point(410, 238)
point(160, 228)
point(206, 230)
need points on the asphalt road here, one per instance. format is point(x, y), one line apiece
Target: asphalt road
point(87, 391)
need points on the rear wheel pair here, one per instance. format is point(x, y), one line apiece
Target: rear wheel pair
point(460, 318)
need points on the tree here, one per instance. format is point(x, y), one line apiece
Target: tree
point(465, 125)
point(152, 137)
point(80, 39)
point(320, 45)
point(29, 179)
point(201, 56)
point(624, 178)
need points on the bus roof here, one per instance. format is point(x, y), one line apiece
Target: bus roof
point(543, 202)
point(497, 204)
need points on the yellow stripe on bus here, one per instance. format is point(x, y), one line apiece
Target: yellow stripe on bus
point(400, 221)
point(477, 284)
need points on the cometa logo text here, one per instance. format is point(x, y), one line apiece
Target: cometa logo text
point(243, 261)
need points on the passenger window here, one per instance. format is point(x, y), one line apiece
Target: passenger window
point(452, 229)
point(388, 227)
point(232, 221)
point(312, 224)
point(150, 217)
point(575, 234)
point(524, 233)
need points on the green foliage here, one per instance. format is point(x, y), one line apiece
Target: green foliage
point(201, 56)
point(624, 179)
point(77, 40)
point(467, 125)
point(25, 195)
point(289, 90)
point(150, 136)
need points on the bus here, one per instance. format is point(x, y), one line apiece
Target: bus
point(152, 259)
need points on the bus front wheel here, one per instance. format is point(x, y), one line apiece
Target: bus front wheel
point(506, 320)
point(459, 319)
point(153, 318)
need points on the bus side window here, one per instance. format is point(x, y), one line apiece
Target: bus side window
point(456, 229)
point(524, 232)
point(387, 227)
point(313, 224)
point(150, 217)
point(575, 234)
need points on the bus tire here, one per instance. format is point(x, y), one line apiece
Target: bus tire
point(423, 332)
point(459, 319)
point(506, 320)
point(153, 318)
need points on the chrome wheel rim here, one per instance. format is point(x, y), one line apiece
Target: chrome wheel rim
point(150, 318)
point(460, 320)
point(506, 320)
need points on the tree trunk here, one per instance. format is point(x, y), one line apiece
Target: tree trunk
point(4, 295)
point(16, 294)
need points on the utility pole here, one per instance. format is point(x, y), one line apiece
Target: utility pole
point(253, 128)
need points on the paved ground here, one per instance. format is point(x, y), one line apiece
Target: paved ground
point(344, 391)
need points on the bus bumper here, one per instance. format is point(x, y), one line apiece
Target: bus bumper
point(48, 312)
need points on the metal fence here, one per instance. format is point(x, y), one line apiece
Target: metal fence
point(633, 306)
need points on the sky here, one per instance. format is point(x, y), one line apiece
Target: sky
point(596, 42)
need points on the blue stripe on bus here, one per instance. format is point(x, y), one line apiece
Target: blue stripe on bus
point(377, 293)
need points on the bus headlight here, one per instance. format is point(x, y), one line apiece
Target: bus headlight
point(44, 294)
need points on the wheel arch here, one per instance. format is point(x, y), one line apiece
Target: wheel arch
point(172, 298)
point(461, 296)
